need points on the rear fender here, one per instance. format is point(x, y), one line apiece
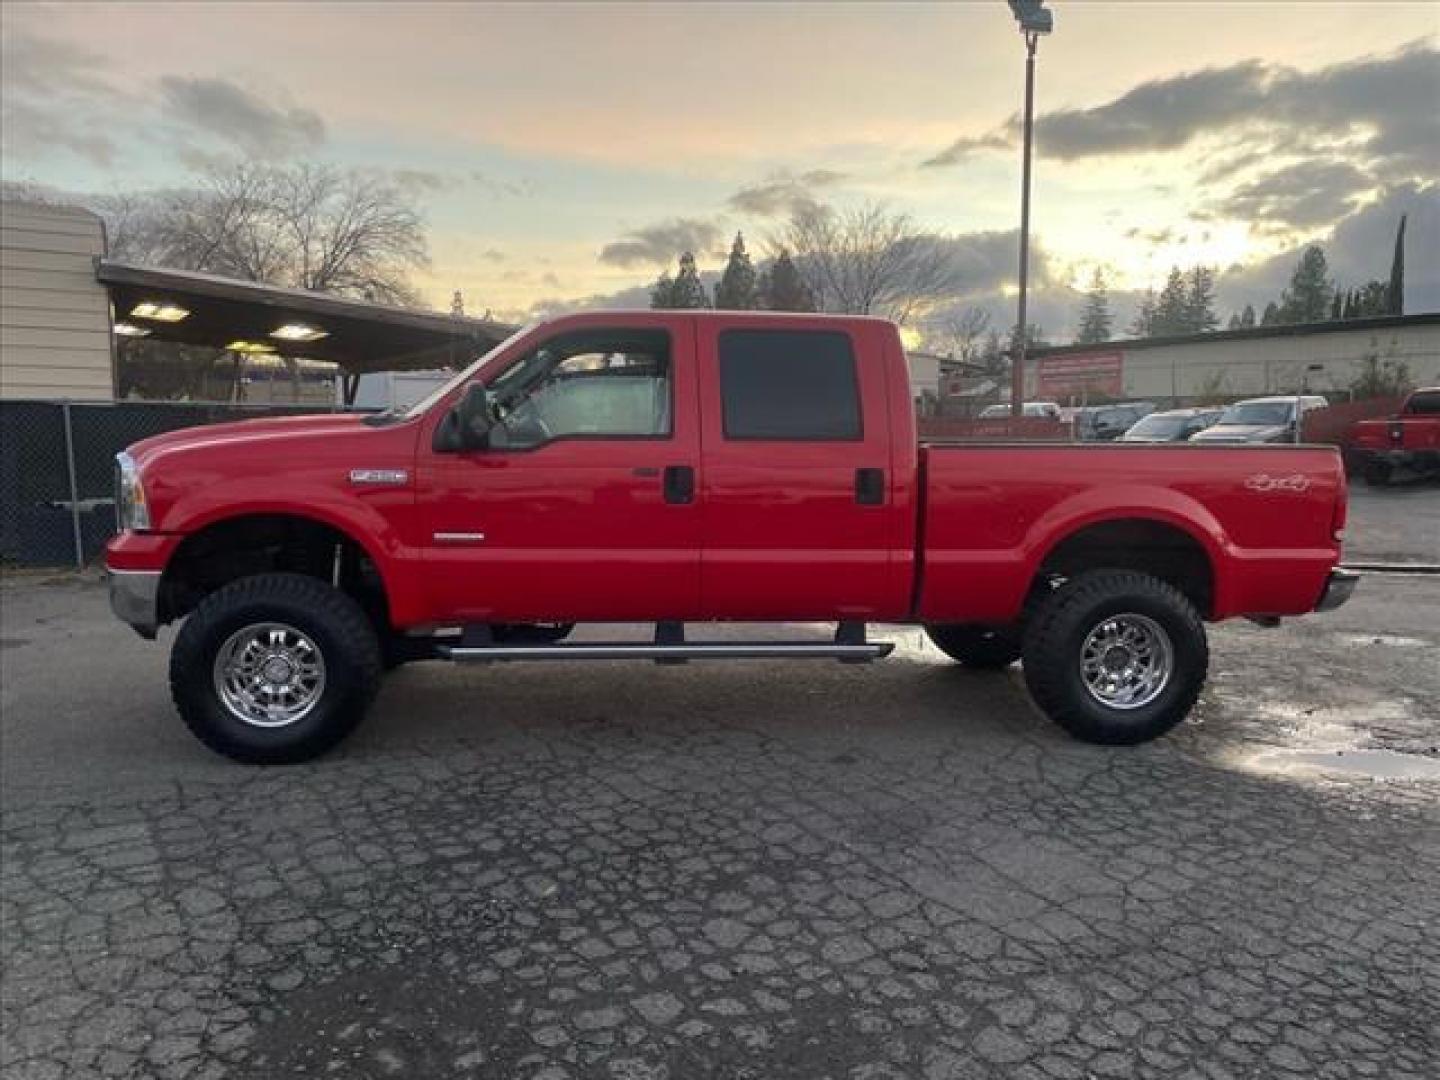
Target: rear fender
point(1131, 503)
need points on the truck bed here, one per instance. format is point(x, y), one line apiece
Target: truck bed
point(993, 516)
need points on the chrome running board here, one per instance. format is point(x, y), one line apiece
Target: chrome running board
point(670, 647)
point(726, 650)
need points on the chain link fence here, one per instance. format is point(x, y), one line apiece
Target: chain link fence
point(57, 469)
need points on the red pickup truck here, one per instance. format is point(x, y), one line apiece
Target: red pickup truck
point(686, 468)
point(1409, 441)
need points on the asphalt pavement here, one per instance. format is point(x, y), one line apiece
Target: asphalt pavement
point(766, 870)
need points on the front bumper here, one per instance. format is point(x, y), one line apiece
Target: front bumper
point(1338, 588)
point(135, 597)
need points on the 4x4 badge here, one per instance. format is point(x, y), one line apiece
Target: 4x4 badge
point(1265, 482)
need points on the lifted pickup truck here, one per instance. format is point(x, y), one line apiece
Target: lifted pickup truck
point(694, 467)
point(1408, 442)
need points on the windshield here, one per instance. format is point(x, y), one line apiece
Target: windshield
point(1159, 426)
point(1259, 413)
point(426, 403)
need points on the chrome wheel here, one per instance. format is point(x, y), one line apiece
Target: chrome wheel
point(269, 675)
point(1126, 661)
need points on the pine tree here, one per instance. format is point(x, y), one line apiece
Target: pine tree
point(662, 293)
point(783, 288)
point(1143, 325)
point(1200, 301)
point(689, 289)
point(736, 290)
point(1337, 310)
point(1271, 317)
point(1308, 298)
point(1172, 310)
point(1395, 300)
point(1247, 317)
point(1095, 318)
point(992, 356)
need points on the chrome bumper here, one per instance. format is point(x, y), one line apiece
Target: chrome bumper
point(1337, 589)
point(134, 597)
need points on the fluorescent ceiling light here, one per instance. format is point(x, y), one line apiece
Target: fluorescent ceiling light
point(125, 329)
point(298, 332)
point(252, 347)
point(159, 311)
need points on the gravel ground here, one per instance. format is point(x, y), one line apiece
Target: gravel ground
point(766, 871)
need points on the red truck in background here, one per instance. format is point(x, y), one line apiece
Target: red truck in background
point(695, 467)
point(1408, 442)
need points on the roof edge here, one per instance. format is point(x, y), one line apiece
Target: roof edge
point(1249, 333)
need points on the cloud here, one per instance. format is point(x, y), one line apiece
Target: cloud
point(424, 181)
point(1358, 250)
point(229, 112)
point(29, 129)
point(964, 148)
point(501, 188)
point(56, 96)
point(1304, 196)
point(987, 261)
point(659, 243)
point(1381, 107)
point(784, 193)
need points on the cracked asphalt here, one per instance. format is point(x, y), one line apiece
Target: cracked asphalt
point(774, 870)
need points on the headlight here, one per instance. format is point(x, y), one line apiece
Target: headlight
point(131, 511)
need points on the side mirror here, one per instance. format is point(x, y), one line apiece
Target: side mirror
point(467, 425)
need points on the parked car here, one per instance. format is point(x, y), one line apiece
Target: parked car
point(1172, 425)
point(1031, 410)
point(1261, 420)
point(677, 467)
point(1104, 423)
point(1409, 441)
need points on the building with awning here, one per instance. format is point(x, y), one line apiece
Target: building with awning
point(65, 303)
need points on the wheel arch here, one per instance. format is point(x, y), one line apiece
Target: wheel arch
point(226, 547)
point(1168, 546)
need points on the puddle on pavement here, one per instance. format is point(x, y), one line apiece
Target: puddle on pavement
point(1375, 764)
point(1393, 641)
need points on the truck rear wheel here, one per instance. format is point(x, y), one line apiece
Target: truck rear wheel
point(983, 647)
point(1115, 657)
point(274, 668)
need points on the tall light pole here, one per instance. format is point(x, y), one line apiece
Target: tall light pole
point(1034, 20)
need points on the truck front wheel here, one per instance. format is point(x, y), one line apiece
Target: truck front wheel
point(274, 668)
point(1115, 657)
point(983, 647)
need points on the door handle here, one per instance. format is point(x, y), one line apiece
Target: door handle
point(870, 487)
point(679, 484)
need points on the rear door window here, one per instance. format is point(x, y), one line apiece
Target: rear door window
point(791, 385)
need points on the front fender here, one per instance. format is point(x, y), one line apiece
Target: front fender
point(374, 520)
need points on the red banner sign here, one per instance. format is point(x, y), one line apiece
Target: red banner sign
point(1076, 374)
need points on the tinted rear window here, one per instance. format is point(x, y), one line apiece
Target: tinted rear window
point(1426, 404)
point(789, 384)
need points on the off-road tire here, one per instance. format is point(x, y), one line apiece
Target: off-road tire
point(985, 648)
point(337, 625)
point(1377, 473)
point(1055, 633)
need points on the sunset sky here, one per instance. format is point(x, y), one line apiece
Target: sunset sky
point(567, 152)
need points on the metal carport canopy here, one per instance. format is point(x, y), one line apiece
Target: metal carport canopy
point(360, 336)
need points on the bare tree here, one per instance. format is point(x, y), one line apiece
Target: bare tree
point(869, 260)
point(307, 227)
point(963, 332)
